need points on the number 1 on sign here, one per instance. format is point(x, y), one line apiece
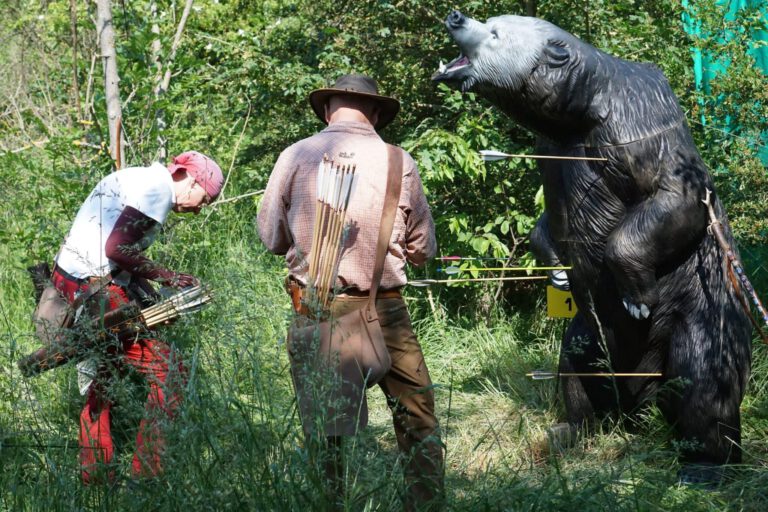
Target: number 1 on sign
point(560, 304)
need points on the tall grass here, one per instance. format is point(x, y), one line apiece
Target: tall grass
point(236, 443)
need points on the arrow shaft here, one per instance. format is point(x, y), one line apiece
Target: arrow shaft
point(552, 375)
point(552, 157)
point(423, 282)
point(236, 198)
point(609, 374)
point(459, 258)
point(490, 156)
point(505, 269)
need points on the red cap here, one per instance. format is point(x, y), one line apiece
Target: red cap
point(203, 169)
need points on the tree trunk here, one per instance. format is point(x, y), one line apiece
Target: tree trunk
point(75, 84)
point(163, 81)
point(106, 35)
point(530, 7)
point(156, 48)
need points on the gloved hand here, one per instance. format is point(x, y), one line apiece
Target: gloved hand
point(182, 280)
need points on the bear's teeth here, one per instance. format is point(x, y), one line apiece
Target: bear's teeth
point(441, 68)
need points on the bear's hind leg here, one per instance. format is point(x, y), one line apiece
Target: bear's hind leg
point(703, 397)
point(586, 399)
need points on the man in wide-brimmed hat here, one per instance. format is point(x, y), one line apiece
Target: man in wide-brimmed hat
point(354, 110)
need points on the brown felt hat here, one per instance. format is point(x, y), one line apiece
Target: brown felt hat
point(356, 85)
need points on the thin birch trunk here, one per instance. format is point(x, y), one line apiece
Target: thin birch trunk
point(156, 48)
point(175, 46)
point(106, 34)
point(165, 80)
point(87, 111)
point(75, 84)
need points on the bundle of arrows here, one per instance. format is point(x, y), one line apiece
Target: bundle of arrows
point(334, 188)
point(126, 320)
point(187, 301)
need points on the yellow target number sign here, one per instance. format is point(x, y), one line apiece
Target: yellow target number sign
point(560, 304)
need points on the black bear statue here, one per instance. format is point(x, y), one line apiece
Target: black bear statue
point(652, 286)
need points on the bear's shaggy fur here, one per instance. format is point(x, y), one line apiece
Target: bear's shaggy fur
point(651, 285)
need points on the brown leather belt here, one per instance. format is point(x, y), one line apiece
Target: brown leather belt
point(381, 294)
point(79, 280)
point(296, 290)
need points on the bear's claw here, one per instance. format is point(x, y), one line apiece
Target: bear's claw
point(638, 312)
point(559, 279)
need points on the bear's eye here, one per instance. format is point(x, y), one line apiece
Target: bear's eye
point(494, 34)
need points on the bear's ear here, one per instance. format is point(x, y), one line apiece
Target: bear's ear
point(556, 54)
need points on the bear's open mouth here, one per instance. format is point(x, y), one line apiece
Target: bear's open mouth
point(450, 71)
point(459, 62)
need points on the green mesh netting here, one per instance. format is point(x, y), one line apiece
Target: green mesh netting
point(708, 66)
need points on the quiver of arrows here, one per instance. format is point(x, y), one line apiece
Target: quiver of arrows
point(334, 187)
point(86, 333)
point(124, 322)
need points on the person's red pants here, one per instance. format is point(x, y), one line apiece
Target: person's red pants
point(165, 374)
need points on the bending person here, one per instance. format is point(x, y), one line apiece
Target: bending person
point(105, 246)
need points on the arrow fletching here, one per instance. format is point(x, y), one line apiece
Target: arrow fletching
point(422, 283)
point(492, 156)
point(347, 187)
point(541, 375)
point(320, 178)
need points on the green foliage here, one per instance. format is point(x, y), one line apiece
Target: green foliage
point(477, 210)
point(729, 116)
point(238, 92)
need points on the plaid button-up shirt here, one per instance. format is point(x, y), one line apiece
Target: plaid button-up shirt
point(287, 213)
